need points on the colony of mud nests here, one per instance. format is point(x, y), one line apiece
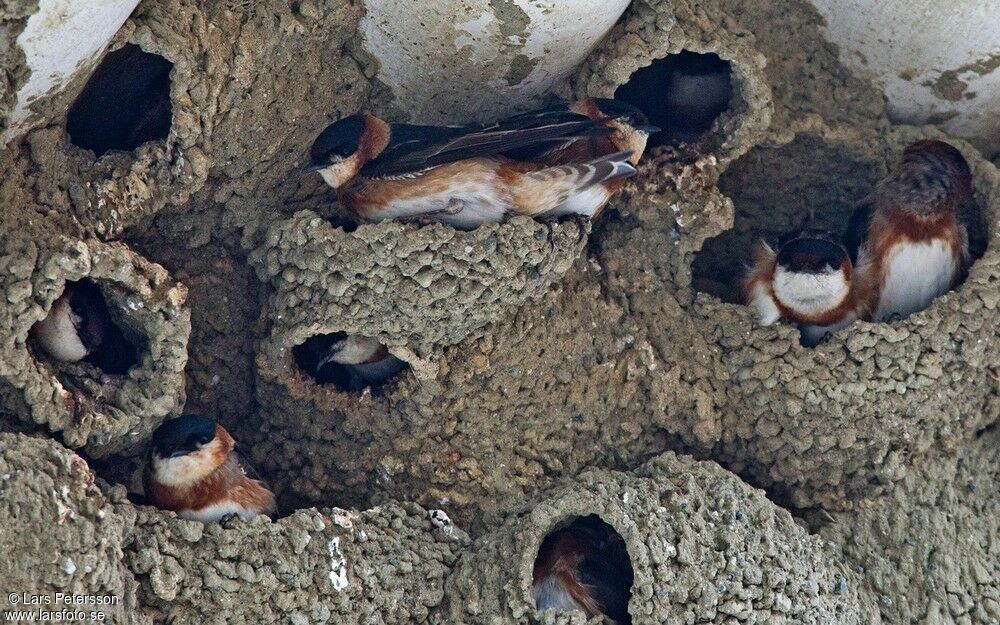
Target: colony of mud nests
point(553, 373)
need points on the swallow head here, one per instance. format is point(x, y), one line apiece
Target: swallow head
point(187, 449)
point(812, 274)
point(350, 349)
point(933, 177)
point(630, 128)
point(336, 152)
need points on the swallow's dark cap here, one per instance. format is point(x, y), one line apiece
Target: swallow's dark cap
point(341, 138)
point(182, 435)
point(811, 251)
point(626, 112)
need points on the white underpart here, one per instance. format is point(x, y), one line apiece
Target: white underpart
point(915, 274)
point(477, 201)
point(57, 333)
point(585, 203)
point(217, 511)
point(761, 301)
point(810, 293)
point(551, 595)
point(355, 349)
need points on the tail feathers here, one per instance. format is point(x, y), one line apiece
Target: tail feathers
point(546, 191)
point(582, 175)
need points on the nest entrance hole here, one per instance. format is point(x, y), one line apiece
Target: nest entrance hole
point(584, 565)
point(358, 366)
point(809, 182)
point(80, 318)
point(125, 104)
point(682, 94)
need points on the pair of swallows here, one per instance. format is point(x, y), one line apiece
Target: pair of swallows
point(904, 246)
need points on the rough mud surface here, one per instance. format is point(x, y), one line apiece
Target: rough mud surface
point(929, 549)
point(839, 422)
point(536, 354)
point(77, 401)
point(705, 547)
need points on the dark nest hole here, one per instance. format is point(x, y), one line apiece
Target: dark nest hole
point(584, 565)
point(808, 182)
point(682, 94)
point(80, 327)
point(348, 363)
point(125, 103)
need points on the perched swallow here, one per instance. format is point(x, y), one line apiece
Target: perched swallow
point(367, 360)
point(586, 567)
point(351, 362)
point(909, 243)
point(195, 471)
point(79, 327)
point(809, 280)
point(462, 176)
point(628, 130)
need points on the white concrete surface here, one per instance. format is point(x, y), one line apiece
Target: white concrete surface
point(58, 41)
point(465, 60)
point(938, 61)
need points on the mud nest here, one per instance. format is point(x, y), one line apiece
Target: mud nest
point(551, 372)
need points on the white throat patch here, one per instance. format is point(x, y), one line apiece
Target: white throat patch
point(185, 471)
point(810, 293)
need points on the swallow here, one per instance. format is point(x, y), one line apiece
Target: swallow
point(78, 327)
point(367, 361)
point(462, 175)
point(809, 280)
point(908, 241)
point(585, 567)
point(627, 131)
point(195, 470)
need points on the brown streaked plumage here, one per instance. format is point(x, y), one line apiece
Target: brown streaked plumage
point(194, 471)
point(584, 566)
point(463, 176)
point(910, 245)
point(628, 130)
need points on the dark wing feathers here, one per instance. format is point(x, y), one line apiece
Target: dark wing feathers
point(416, 148)
point(857, 228)
point(242, 459)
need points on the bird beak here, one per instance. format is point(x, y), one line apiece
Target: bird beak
point(316, 166)
point(649, 130)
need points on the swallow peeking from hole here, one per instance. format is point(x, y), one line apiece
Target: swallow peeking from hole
point(348, 361)
point(466, 175)
point(909, 243)
point(807, 279)
point(584, 566)
point(79, 327)
point(196, 471)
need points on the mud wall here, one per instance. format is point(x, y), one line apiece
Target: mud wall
point(550, 369)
